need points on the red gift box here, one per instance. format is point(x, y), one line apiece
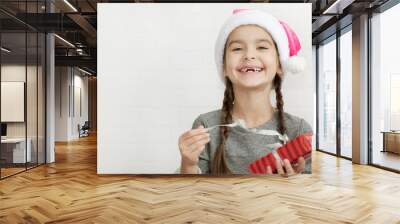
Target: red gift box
point(300, 146)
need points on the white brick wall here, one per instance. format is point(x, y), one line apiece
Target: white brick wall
point(156, 74)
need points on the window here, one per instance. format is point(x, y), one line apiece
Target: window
point(327, 97)
point(385, 89)
point(22, 66)
point(346, 94)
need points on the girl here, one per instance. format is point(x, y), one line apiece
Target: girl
point(253, 52)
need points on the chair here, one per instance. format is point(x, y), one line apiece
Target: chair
point(84, 130)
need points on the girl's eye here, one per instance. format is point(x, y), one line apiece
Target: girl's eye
point(236, 49)
point(263, 48)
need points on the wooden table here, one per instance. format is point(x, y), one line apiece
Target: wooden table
point(391, 141)
point(13, 150)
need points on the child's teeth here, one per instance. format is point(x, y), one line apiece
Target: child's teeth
point(251, 70)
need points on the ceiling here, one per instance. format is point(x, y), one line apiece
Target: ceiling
point(76, 22)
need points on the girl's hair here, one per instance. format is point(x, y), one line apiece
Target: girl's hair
point(219, 165)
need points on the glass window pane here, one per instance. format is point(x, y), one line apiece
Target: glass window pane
point(327, 97)
point(22, 88)
point(31, 100)
point(346, 94)
point(41, 98)
point(13, 86)
point(386, 89)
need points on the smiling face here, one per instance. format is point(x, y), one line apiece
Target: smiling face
point(251, 58)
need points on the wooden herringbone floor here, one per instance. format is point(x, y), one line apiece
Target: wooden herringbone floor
point(70, 191)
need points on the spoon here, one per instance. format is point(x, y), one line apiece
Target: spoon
point(239, 122)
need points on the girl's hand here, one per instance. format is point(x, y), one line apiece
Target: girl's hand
point(285, 169)
point(191, 144)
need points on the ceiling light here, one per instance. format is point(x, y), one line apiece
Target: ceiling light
point(70, 5)
point(64, 40)
point(5, 50)
point(337, 7)
point(84, 71)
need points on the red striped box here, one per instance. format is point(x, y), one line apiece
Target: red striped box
point(300, 146)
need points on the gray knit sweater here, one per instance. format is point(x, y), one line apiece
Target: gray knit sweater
point(243, 147)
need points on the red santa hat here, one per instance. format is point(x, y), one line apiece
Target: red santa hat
point(288, 45)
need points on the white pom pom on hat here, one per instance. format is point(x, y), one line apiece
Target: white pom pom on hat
point(288, 45)
point(294, 64)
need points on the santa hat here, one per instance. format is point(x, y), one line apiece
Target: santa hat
point(287, 43)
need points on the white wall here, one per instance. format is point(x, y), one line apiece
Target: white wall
point(157, 74)
point(61, 103)
point(80, 83)
point(68, 80)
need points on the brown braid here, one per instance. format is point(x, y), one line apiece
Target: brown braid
point(219, 165)
point(279, 103)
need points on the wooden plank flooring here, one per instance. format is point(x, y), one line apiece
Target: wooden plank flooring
point(70, 191)
point(387, 159)
point(10, 171)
